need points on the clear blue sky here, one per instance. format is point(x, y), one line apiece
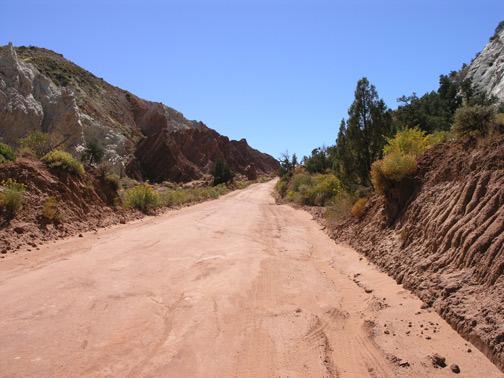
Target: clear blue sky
point(279, 73)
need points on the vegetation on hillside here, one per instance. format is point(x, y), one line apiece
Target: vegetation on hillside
point(142, 197)
point(11, 197)
point(6, 153)
point(378, 148)
point(221, 173)
point(36, 143)
point(63, 160)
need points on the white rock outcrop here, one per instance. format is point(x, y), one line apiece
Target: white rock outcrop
point(31, 101)
point(487, 69)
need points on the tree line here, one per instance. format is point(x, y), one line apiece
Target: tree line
point(363, 135)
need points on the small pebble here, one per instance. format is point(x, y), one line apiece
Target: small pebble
point(455, 368)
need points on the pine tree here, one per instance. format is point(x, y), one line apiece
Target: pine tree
point(221, 173)
point(361, 140)
point(341, 159)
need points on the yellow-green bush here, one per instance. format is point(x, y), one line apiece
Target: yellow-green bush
point(408, 141)
point(300, 180)
point(438, 137)
point(313, 190)
point(11, 196)
point(358, 207)
point(282, 185)
point(50, 210)
point(473, 120)
point(325, 189)
point(392, 168)
point(63, 160)
point(400, 156)
point(142, 197)
point(413, 141)
point(396, 166)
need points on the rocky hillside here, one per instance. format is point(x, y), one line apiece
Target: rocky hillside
point(487, 70)
point(447, 242)
point(41, 90)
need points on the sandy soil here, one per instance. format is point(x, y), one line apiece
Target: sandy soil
point(238, 286)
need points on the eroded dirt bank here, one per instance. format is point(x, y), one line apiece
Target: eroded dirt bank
point(238, 286)
point(447, 243)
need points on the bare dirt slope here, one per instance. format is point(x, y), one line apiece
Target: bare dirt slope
point(238, 286)
point(446, 242)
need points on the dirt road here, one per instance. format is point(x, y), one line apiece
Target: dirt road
point(238, 286)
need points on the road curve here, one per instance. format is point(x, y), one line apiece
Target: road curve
point(235, 287)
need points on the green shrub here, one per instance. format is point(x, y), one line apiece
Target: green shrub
point(6, 153)
point(392, 168)
point(313, 190)
point(299, 180)
point(295, 197)
point(175, 197)
point(473, 120)
point(438, 137)
point(409, 142)
point(50, 210)
point(282, 186)
point(325, 188)
point(242, 184)
point(142, 197)
point(12, 196)
point(358, 207)
point(63, 160)
point(93, 153)
point(221, 172)
point(36, 143)
point(181, 196)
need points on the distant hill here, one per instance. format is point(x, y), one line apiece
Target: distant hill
point(41, 90)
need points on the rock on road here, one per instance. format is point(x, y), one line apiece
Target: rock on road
point(234, 287)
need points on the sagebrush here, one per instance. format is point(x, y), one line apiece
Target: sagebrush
point(63, 160)
point(6, 153)
point(11, 196)
point(142, 197)
point(51, 211)
point(473, 121)
point(358, 207)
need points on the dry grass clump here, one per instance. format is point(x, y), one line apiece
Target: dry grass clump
point(392, 168)
point(473, 121)
point(63, 160)
point(358, 207)
point(142, 197)
point(180, 196)
point(50, 210)
point(11, 197)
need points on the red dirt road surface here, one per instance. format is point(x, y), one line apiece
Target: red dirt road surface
point(235, 287)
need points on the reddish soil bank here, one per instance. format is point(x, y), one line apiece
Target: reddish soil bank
point(446, 243)
point(83, 202)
